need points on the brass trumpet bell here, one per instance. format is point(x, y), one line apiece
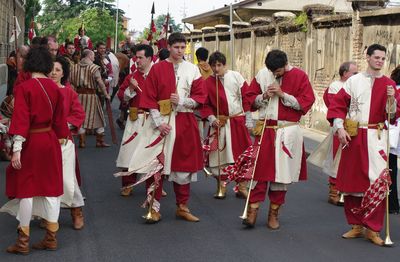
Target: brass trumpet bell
point(388, 242)
point(207, 172)
point(341, 200)
point(221, 190)
point(152, 217)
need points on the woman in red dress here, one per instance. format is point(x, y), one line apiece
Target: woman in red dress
point(34, 177)
point(75, 115)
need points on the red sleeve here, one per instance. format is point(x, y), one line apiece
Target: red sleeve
point(326, 97)
point(123, 87)
point(149, 96)
point(197, 92)
point(109, 69)
point(59, 124)
point(76, 115)
point(338, 106)
point(306, 96)
point(206, 110)
point(252, 92)
point(76, 44)
point(20, 120)
point(245, 103)
point(90, 44)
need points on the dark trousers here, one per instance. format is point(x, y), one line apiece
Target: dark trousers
point(393, 195)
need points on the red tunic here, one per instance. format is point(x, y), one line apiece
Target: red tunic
point(328, 97)
point(75, 115)
point(239, 133)
point(139, 77)
point(22, 77)
point(356, 169)
point(41, 172)
point(187, 153)
point(294, 82)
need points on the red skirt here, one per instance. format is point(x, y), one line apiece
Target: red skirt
point(187, 155)
point(41, 172)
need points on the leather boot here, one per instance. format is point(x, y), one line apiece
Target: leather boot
point(42, 223)
point(334, 196)
point(183, 212)
point(77, 217)
point(252, 210)
point(374, 237)
point(273, 213)
point(155, 217)
point(82, 140)
point(49, 241)
point(356, 231)
point(22, 244)
point(100, 141)
point(242, 190)
point(126, 191)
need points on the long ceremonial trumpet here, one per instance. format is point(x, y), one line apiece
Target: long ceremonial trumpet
point(388, 241)
point(219, 194)
point(244, 215)
point(148, 217)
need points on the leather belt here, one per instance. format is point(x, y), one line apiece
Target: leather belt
point(86, 91)
point(40, 130)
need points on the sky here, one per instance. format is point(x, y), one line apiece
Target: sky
point(139, 10)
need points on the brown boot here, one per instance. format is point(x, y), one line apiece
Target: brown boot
point(183, 212)
point(77, 217)
point(242, 190)
point(126, 191)
point(22, 244)
point(82, 140)
point(374, 237)
point(49, 241)
point(356, 231)
point(252, 210)
point(334, 196)
point(155, 217)
point(42, 223)
point(273, 213)
point(100, 141)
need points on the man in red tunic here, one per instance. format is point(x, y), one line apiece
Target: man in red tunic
point(231, 120)
point(82, 41)
point(346, 70)
point(363, 103)
point(282, 94)
point(174, 88)
point(130, 92)
point(34, 181)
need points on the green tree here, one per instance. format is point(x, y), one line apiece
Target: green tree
point(98, 24)
point(159, 22)
point(60, 16)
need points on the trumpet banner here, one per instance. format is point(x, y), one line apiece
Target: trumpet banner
point(243, 167)
point(374, 195)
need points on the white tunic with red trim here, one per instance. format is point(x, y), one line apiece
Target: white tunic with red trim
point(281, 158)
point(234, 137)
point(363, 99)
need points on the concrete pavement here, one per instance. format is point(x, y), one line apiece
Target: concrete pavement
point(114, 231)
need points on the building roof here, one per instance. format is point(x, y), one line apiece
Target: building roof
point(258, 6)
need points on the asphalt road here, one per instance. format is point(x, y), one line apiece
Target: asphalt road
point(114, 231)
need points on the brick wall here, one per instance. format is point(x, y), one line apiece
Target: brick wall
point(6, 27)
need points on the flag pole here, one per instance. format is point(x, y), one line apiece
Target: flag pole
point(116, 28)
point(15, 34)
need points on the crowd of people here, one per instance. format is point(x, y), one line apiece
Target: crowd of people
point(179, 119)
